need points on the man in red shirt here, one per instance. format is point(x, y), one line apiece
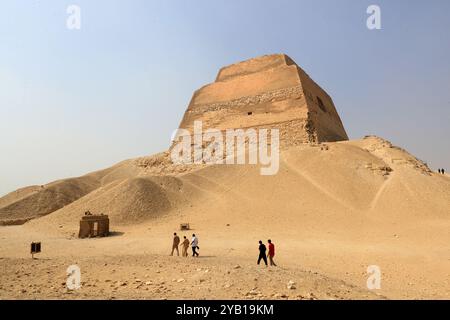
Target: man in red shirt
point(271, 253)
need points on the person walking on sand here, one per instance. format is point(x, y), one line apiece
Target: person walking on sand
point(176, 242)
point(194, 244)
point(185, 246)
point(262, 253)
point(439, 170)
point(271, 253)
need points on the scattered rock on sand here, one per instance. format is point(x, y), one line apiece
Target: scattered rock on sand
point(120, 284)
point(310, 296)
point(252, 292)
point(291, 285)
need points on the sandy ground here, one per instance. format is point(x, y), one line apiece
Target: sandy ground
point(134, 264)
point(126, 273)
point(332, 210)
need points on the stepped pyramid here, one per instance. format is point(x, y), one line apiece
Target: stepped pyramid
point(270, 92)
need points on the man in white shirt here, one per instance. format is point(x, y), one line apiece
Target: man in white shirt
point(194, 244)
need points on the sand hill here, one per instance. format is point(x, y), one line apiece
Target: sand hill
point(335, 206)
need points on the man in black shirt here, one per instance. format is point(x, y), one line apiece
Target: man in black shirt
point(262, 253)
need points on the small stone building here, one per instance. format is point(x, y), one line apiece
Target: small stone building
point(94, 226)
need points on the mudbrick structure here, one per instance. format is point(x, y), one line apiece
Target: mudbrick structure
point(270, 92)
point(94, 226)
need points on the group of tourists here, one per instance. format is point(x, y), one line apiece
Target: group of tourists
point(270, 254)
point(185, 245)
point(194, 245)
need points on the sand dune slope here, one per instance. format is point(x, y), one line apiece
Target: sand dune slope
point(333, 207)
point(367, 179)
point(38, 201)
point(127, 201)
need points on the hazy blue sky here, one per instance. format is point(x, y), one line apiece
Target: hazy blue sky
point(74, 101)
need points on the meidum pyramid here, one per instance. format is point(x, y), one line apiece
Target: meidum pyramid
point(335, 206)
point(270, 91)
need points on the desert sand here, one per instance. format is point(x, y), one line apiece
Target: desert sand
point(333, 209)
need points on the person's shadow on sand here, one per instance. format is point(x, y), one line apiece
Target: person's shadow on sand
point(115, 233)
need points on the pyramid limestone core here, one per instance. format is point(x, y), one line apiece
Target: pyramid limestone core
point(267, 92)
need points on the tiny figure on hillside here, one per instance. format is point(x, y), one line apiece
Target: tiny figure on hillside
point(439, 170)
point(262, 253)
point(176, 242)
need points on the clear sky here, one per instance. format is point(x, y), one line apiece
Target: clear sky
point(74, 101)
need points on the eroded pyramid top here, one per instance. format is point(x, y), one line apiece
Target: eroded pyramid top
point(254, 65)
point(270, 92)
